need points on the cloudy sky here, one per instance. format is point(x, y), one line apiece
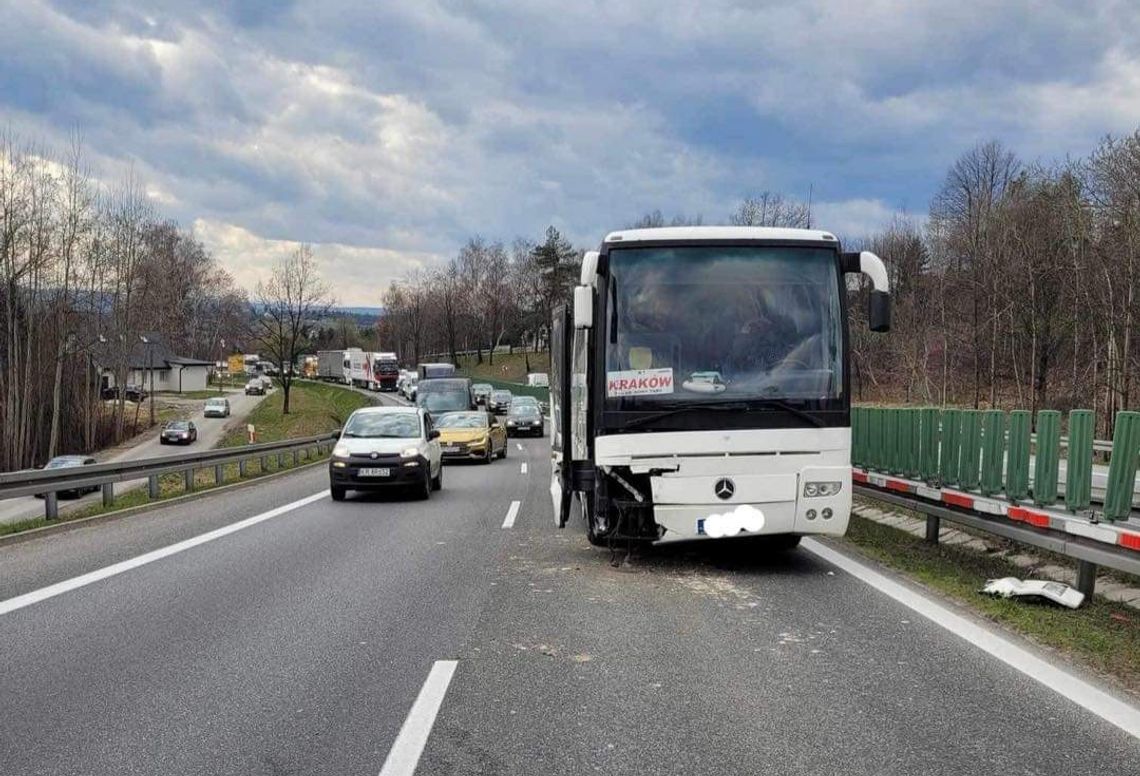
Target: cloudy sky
point(387, 132)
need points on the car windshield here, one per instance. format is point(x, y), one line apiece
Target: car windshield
point(525, 400)
point(462, 420)
point(178, 425)
point(215, 402)
point(524, 410)
point(443, 401)
point(383, 425)
point(482, 388)
point(722, 323)
point(501, 395)
point(63, 462)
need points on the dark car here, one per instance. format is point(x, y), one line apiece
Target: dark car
point(524, 418)
point(70, 462)
point(255, 387)
point(499, 401)
point(179, 432)
point(481, 391)
point(135, 393)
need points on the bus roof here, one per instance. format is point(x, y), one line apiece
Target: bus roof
point(700, 233)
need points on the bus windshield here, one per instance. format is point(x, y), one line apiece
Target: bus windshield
point(722, 324)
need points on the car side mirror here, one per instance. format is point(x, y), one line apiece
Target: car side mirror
point(433, 434)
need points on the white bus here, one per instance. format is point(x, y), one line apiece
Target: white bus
point(700, 387)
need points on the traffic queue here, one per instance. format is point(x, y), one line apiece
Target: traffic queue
point(450, 420)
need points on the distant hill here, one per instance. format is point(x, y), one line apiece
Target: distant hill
point(371, 311)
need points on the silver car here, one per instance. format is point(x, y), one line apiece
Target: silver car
point(386, 447)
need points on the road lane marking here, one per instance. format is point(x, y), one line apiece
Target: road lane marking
point(27, 599)
point(1091, 698)
point(519, 446)
point(405, 753)
point(524, 467)
point(512, 513)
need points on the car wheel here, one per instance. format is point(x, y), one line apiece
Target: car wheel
point(338, 494)
point(437, 481)
point(490, 456)
point(503, 452)
point(425, 487)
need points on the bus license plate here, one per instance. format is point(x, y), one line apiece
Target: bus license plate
point(375, 472)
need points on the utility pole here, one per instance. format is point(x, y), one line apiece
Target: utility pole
point(150, 368)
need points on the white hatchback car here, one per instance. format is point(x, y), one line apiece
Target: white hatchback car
point(386, 447)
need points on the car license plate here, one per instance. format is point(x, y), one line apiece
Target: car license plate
point(375, 472)
point(451, 449)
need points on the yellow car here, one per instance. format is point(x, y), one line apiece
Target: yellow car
point(474, 435)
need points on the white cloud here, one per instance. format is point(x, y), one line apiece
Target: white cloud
point(358, 276)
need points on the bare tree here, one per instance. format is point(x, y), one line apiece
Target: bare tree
point(286, 304)
point(771, 209)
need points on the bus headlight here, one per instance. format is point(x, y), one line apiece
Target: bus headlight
point(821, 489)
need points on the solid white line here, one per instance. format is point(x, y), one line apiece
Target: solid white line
point(512, 513)
point(1100, 703)
point(519, 445)
point(27, 599)
point(524, 467)
point(412, 738)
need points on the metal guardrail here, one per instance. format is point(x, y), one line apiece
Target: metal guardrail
point(104, 475)
point(1088, 553)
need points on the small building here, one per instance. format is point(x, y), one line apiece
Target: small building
point(177, 374)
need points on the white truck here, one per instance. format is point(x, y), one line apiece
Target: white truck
point(375, 371)
point(700, 385)
point(336, 365)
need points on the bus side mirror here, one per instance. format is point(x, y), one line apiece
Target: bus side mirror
point(583, 307)
point(879, 311)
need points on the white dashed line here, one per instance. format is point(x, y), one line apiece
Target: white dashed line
point(519, 446)
point(1099, 702)
point(27, 599)
point(512, 513)
point(524, 467)
point(412, 738)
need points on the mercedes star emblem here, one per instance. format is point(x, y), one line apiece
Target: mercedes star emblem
point(724, 488)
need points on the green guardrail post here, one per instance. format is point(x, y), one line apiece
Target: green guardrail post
point(904, 455)
point(968, 467)
point(1078, 468)
point(1122, 467)
point(877, 438)
point(914, 464)
point(1017, 459)
point(993, 451)
point(856, 430)
point(928, 443)
point(1047, 457)
point(951, 448)
point(890, 439)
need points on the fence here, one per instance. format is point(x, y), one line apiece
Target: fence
point(987, 470)
point(996, 454)
point(49, 482)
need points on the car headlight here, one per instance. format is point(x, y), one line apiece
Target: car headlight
point(341, 451)
point(511, 423)
point(411, 452)
point(821, 489)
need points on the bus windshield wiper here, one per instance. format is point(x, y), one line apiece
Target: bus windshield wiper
point(791, 409)
point(679, 408)
point(730, 406)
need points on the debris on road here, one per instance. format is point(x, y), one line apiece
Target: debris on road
point(1060, 593)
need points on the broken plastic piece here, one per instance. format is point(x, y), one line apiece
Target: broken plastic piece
point(1058, 592)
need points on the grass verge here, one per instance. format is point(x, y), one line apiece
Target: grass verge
point(314, 408)
point(1101, 635)
point(508, 367)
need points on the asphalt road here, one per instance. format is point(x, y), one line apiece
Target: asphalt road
point(299, 643)
point(210, 432)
